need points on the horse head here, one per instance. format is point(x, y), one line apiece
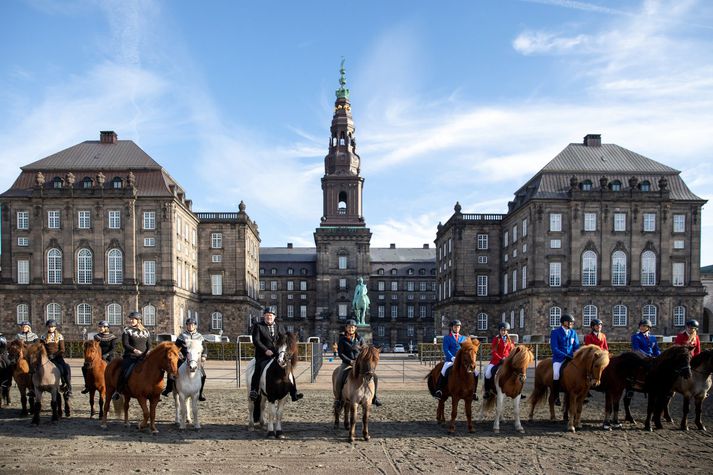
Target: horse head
point(16, 351)
point(193, 354)
point(287, 350)
point(35, 352)
point(703, 362)
point(677, 359)
point(519, 360)
point(169, 354)
point(600, 360)
point(366, 363)
point(467, 356)
point(92, 352)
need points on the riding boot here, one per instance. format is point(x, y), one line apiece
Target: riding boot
point(556, 390)
point(376, 400)
point(169, 387)
point(255, 382)
point(119, 386)
point(475, 388)
point(439, 385)
point(84, 373)
point(293, 391)
point(201, 397)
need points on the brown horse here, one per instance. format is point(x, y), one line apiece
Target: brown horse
point(673, 363)
point(358, 390)
point(17, 350)
point(625, 372)
point(461, 384)
point(94, 376)
point(696, 387)
point(46, 377)
point(145, 382)
point(581, 374)
point(509, 381)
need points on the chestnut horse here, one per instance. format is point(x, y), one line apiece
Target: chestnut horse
point(17, 350)
point(509, 381)
point(696, 387)
point(358, 390)
point(145, 382)
point(582, 373)
point(46, 377)
point(461, 384)
point(94, 376)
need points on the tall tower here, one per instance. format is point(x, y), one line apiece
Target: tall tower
point(342, 238)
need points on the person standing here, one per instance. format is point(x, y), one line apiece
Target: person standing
point(563, 342)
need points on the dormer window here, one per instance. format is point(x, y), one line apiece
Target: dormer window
point(380, 272)
point(586, 185)
point(645, 185)
point(393, 271)
point(615, 185)
point(117, 183)
point(57, 182)
point(87, 182)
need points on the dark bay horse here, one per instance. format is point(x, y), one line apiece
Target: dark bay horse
point(94, 376)
point(673, 363)
point(46, 377)
point(358, 390)
point(275, 384)
point(145, 382)
point(17, 352)
point(6, 369)
point(625, 372)
point(509, 380)
point(582, 373)
point(461, 384)
point(696, 387)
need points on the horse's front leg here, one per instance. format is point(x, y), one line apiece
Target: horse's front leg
point(469, 412)
point(37, 408)
point(91, 403)
point(649, 412)
point(699, 404)
point(153, 403)
point(551, 401)
point(278, 419)
point(67, 406)
point(271, 410)
point(56, 405)
point(571, 411)
point(499, 407)
point(23, 400)
point(518, 424)
point(346, 414)
point(101, 403)
point(578, 410)
point(454, 413)
point(194, 407)
point(365, 409)
point(627, 407)
point(126, 410)
point(659, 402)
point(145, 410)
point(440, 412)
point(181, 409)
point(352, 422)
point(684, 419)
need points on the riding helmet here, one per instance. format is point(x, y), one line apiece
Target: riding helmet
point(595, 321)
point(190, 320)
point(647, 322)
point(135, 314)
point(692, 323)
point(51, 323)
point(566, 318)
point(24, 322)
point(267, 310)
point(103, 323)
point(350, 323)
point(455, 322)
point(504, 325)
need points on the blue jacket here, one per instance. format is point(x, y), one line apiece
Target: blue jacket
point(451, 346)
point(563, 343)
point(645, 344)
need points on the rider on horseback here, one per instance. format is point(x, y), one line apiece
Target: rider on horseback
point(54, 344)
point(26, 334)
point(689, 337)
point(190, 333)
point(451, 345)
point(265, 335)
point(137, 342)
point(596, 336)
point(564, 342)
point(500, 349)
point(350, 344)
point(644, 343)
point(107, 344)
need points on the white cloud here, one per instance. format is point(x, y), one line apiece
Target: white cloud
point(538, 42)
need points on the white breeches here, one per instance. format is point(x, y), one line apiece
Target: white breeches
point(448, 364)
point(489, 371)
point(556, 371)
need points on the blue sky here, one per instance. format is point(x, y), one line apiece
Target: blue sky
point(453, 101)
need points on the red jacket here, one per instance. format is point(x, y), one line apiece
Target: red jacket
point(500, 349)
point(601, 341)
point(683, 339)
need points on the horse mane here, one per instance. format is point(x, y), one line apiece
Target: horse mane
point(468, 345)
point(368, 352)
point(701, 357)
point(36, 349)
point(520, 357)
point(585, 352)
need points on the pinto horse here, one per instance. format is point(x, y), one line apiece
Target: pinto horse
point(461, 384)
point(626, 371)
point(46, 377)
point(576, 379)
point(696, 387)
point(673, 363)
point(188, 385)
point(509, 381)
point(94, 376)
point(145, 383)
point(275, 384)
point(358, 390)
point(17, 350)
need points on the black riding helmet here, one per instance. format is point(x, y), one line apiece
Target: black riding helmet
point(454, 323)
point(23, 323)
point(190, 320)
point(595, 321)
point(135, 314)
point(566, 318)
point(504, 325)
point(103, 323)
point(692, 323)
point(646, 321)
point(51, 323)
point(350, 323)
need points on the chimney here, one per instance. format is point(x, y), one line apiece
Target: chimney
point(425, 246)
point(593, 140)
point(392, 246)
point(107, 136)
point(289, 245)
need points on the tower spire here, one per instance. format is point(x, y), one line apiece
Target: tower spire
point(342, 92)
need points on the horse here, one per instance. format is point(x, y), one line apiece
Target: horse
point(6, 370)
point(358, 390)
point(461, 384)
point(696, 387)
point(626, 371)
point(673, 363)
point(94, 376)
point(576, 379)
point(21, 374)
point(509, 381)
point(145, 383)
point(46, 377)
point(275, 384)
point(188, 385)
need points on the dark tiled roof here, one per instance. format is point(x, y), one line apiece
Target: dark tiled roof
point(284, 254)
point(607, 158)
point(406, 254)
point(553, 185)
point(707, 270)
point(94, 155)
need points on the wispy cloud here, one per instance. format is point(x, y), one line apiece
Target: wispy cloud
point(538, 42)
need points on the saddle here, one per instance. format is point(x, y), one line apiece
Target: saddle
point(564, 365)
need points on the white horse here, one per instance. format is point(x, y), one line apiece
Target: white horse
point(188, 385)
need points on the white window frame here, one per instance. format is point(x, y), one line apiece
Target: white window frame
point(482, 242)
point(53, 219)
point(22, 312)
point(23, 271)
point(149, 223)
point(394, 312)
point(54, 266)
point(114, 219)
point(381, 311)
point(649, 222)
point(514, 280)
point(342, 262)
point(590, 221)
point(677, 244)
point(84, 314)
point(523, 276)
point(149, 242)
point(524, 227)
point(84, 219)
point(23, 220)
point(555, 275)
point(216, 321)
point(216, 240)
point(303, 285)
point(482, 321)
point(85, 266)
point(619, 222)
point(115, 267)
point(555, 315)
point(482, 259)
point(394, 286)
point(342, 284)
point(514, 233)
point(589, 313)
point(149, 315)
point(555, 222)
point(149, 271)
point(555, 244)
point(620, 315)
point(679, 223)
point(53, 311)
point(650, 311)
point(215, 258)
point(589, 269)
point(303, 311)
point(505, 284)
point(618, 269)
point(290, 311)
point(216, 284)
point(679, 316)
point(482, 285)
point(678, 274)
point(23, 242)
point(113, 314)
point(648, 268)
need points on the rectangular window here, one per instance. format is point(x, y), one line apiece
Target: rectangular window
point(482, 321)
point(23, 220)
point(216, 240)
point(149, 242)
point(342, 284)
point(482, 289)
point(290, 311)
point(303, 285)
point(149, 220)
point(523, 276)
point(273, 285)
point(555, 222)
point(23, 271)
point(342, 262)
point(555, 274)
point(303, 311)
point(514, 281)
point(394, 311)
point(23, 242)
point(649, 222)
point(524, 227)
point(409, 286)
point(679, 223)
point(342, 309)
point(394, 286)
point(409, 330)
point(381, 286)
point(84, 219)
point(216, 258)
point(678, 274)
point(619, 221)
point(53, 219)
point(216, 284)
point(505, 283)
point(290, 285)
point(410, 312)
point(149, 272)
point(482, 241)
point(555, 243)
point(422, 286)
point(380, 331)
point(482, 259)
point(514, 233)
point(679, 244)
point(505, 239)
point(590, 221)
point(422, 311)
point(381, 309)
point(114, 219)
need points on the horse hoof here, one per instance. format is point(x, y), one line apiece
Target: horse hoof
point(606, 427)
point(684, 428)
point(497, 431)
point(668, 419)
point(648, 429)
point(154, 432)
point(351, 440)
point(279, 435)
point(270, 434)
point(367, 438)
point(520, 430)
point(197, 427)
point(702, 427)
point(182, 427)
point(571, 429)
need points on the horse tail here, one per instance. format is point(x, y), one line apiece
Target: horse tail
point(489, 403)
point(431, 385)
point(539, 392)
point(118, 406)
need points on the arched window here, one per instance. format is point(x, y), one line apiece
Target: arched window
point(23, 312)
point(645, 185)
point(586, 185)
point(615, 185)
point(555, 314)
point(54, 266)
point(149, 314)
point(116, 266)
point(380, 271)
point(53, 312)
point(273, 271)
point(303, 271)
point(482, 321)
point(589, 313)
point(84, 266)
point(679, 316)
point(422, 272)
point(84, 314)
point(57, 182)
point(393, 271)
point(342, 205)
point(648, 268)
point(619, 315)
point(216, 321)
point(649, 311)
point(411, 272)
point(290, 271)
point(589, 268)
point(618, 268)
point(113, 314)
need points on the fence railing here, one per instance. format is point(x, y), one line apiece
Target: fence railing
point(309, 352)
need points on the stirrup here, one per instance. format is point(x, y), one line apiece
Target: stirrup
point(116, 396)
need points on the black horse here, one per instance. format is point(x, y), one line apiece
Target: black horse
point(6, 370)
point(673, 363)
point(625, 373)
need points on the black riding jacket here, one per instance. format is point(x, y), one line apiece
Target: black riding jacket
point(348, 350)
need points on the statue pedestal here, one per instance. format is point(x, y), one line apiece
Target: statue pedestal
point(365, 332)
